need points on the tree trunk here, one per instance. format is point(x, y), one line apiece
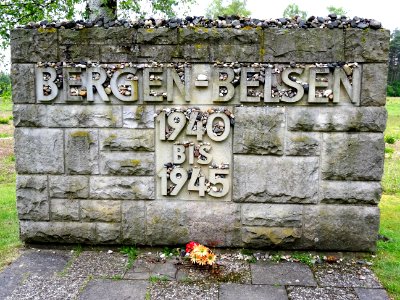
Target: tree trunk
point(102, 8)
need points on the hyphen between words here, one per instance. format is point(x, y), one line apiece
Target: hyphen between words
point(199, 83)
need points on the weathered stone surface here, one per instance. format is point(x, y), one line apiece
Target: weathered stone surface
point(108, 233)
point(117, 53)
point(124, 188)
point(64, 210)
point(80, 52)
point(84, 116)
point(69, 187)
point(237, 52)
point(299, 45)
point(97, 36)
point(275, 179)
point(302, 292)
point(229, 291)
point(366, 45)
point(157, 36)
point(133, 222)
point(302, 143)
point(356, 192)
point(100, 211)
point(196, 52)
point(345, 227)
point(39, 151)
point(34, 45)
point(219, 35)
point(32, 199)
point(23, 75)
point(272, 215)
point(374, 80)
point(352, 156)
point(81, 151)
point(190, 220)
point(29, 115)
point(336, 119)
point(127, 163)
point(261, 237)
point(289, 273)
point(140, 116)
point(259, 130)
point(162, 53)
point(127, 140)
point(66, 232)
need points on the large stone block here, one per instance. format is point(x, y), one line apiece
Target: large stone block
point(97, 36)
point(275, 179)
point(61, 232)
point(127, 140)
point(133, 222)
point(32, 198)
point(157, 36)
point(259, 130)
point(272, 215)
point(108, 233)
point(27, 115)
point(34, 45)
point(336, 119)
point(119, 53)
point(300, 45)
point(195, 52)
point(100, 211)
point(23, 83)
point(374, 81)
point(303, 143)
point(352, 156)
point(71, 187)
point(366, 45)
point(81, 151)
point(138, 116)
point(356, 192)
point(279, 237)
point(217, 225)
point(39, 151)
point(127, 163)
point(64, 210)
point(124, 188)
point(160, 53)
point(84, 116)
point(345, 227)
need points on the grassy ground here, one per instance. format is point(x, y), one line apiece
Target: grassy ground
point(386, 263)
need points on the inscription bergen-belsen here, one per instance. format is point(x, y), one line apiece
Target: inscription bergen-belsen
point(199, 84)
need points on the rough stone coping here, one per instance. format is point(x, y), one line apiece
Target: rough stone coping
point(331, 21)
point(68, 274)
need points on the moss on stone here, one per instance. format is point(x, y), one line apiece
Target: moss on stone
point(80, 134)
point(47, 30)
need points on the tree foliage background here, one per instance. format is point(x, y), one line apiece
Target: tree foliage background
point(393, 88)
point(220, 8)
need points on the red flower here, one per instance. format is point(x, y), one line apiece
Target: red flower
point(190, 246)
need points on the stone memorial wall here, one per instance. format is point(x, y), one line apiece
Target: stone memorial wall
point(251, 137)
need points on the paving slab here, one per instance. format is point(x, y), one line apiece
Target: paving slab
point(346, 275)
point(31, 262)
point(369, 294)
point(178, 290)
point(231, 291)
point(286, 273)
point(98, 264)
point(37, 287)
point(143, 269)
point(318, 293)
point(115, 290)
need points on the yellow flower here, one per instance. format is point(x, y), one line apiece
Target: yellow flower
point(201, 250)
point(210, 258)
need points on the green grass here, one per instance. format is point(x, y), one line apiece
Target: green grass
point(132, 252)
point(9, 239)
point(387, 262)
point(5, 104)
point(393, 123)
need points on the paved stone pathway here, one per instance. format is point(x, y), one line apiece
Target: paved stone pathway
point(105, 275)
